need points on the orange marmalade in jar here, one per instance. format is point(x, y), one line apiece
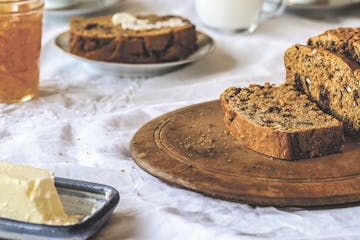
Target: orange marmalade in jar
point(20, 44)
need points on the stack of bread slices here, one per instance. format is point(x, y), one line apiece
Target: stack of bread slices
point(306, 116)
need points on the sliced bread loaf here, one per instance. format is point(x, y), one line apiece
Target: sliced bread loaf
point(331, 80)
point(280, 122)
point(133, 39)
point(345, 41)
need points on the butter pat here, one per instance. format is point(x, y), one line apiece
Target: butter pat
point(129, 21)
point(28, 194)
point(123, 18)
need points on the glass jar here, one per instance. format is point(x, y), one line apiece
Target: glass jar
point(20, 44)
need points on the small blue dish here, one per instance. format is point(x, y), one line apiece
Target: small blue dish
point(94, 201)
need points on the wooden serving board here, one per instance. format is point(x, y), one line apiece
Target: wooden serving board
point(190, 148)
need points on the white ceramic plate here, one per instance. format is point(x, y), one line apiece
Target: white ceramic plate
point(58, 4)
point(206, 46)
point(82, 7)
point(319, 4)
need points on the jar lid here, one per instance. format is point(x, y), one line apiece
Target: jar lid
point(20, 6)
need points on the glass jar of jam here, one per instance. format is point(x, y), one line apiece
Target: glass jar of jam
point(20, 44)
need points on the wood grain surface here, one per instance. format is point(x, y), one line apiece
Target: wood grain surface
point(190, 148)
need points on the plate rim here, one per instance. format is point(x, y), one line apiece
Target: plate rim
point(313, 6)
point(190, 59)
point(81, 11)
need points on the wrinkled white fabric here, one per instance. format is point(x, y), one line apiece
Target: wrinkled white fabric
point(81, 124)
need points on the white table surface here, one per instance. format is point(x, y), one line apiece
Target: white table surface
point(81, 124)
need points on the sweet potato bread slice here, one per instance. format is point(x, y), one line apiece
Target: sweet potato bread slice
point(280, 122)
point(345, 41)
point(330, 79)
point(99, 39)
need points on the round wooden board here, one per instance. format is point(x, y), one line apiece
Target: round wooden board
point(190, 148)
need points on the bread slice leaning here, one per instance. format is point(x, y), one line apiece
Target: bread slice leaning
point(330, 79)
point(98, 38)
point(280, 122)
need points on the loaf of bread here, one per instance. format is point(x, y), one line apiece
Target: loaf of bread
point(133, 39)
point(344, 41)
point(330, 79)
point(280, 122)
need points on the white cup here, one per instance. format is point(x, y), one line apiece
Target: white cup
point(237, 15)
point(56, 4)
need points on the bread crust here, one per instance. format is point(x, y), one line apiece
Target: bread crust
point(163, 45)
point(344, 41)
point(296, 145)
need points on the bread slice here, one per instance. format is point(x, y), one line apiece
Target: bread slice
point(345, 41)
point(330, 79)
point(98, 38)
point(280, 122)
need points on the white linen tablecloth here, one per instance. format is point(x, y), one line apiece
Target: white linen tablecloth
point(81, 124)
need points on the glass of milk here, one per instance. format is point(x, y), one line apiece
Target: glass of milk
point(237, 15)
